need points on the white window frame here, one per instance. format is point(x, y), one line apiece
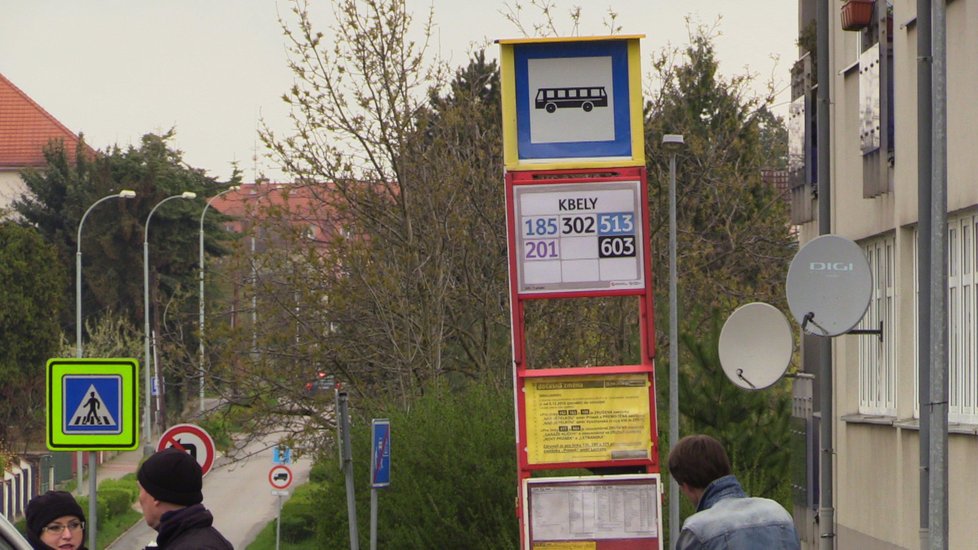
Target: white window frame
point(961, 279)
point(962, 306)
point(877, 360)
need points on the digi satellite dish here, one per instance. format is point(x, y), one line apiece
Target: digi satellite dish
point(755, 346)
point(829, 286)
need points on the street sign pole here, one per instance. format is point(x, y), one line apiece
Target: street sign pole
point(346, 453)
point(278, 523)
point(92, 500)
point(373, 518)
point(380, 468)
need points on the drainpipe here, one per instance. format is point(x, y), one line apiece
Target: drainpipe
point(924, 159)
point(826, 512)
point(938, 287)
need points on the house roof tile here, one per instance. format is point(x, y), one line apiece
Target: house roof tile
point(25, 128)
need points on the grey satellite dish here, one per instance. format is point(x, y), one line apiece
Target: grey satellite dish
point(755, 346)
point(829, 286)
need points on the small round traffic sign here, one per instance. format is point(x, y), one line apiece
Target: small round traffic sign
point(191, 439)
point(280, 476)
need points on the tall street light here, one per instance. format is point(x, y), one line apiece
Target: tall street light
point(673, 143)
point(201, 265)
point(124, 194)
point(147, 424)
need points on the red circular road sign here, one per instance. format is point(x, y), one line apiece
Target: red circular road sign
point(191, 439)
point(280, 476)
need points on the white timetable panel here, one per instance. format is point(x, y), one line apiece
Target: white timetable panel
point(579, 237)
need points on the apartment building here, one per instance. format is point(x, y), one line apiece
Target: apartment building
point(873, 169)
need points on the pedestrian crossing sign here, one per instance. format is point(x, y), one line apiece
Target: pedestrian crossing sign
point(92, 404)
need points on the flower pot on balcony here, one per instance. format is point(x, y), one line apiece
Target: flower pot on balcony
point(857, 14)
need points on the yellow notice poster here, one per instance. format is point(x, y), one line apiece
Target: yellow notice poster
point(587, 418)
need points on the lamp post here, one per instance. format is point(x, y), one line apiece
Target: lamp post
point(124, 194)
point(673, 143)
point(201, 265)
point(147, 424)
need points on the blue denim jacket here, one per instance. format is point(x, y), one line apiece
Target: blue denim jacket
point(727, 519)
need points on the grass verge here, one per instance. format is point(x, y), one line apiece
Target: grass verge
point(266, 541)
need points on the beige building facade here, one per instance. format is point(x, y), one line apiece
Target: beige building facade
point(873, 171)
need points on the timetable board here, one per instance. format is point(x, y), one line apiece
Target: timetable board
point(578, 237)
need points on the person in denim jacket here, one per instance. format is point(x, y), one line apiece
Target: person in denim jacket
point(726, 518)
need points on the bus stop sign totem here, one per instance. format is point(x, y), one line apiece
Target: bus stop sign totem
point(577, 213)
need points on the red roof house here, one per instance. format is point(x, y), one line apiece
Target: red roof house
point(25, 129)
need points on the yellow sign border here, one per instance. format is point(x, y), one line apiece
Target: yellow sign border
point(127, 369)
point(507, 75)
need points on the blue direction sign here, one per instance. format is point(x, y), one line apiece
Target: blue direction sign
point(380, 453)
point(282, 455)
point(92, 404)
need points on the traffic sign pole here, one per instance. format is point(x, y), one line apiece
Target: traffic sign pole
point(278, 523)
point(92, 501)
point(373, 518)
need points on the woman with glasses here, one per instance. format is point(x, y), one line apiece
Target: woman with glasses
point(55, 522)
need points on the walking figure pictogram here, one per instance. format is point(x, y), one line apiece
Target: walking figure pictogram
point(93, 405)
point(92, 411)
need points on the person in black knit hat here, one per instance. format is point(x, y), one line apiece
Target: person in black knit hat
point(55, 521)
point(170, 484)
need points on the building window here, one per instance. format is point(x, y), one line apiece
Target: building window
point(877, 359)
point(962, 339)
point(962, 375)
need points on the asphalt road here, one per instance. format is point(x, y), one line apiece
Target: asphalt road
point(238, 494)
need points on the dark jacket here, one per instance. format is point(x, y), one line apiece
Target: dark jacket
point(190, 528)
point(727, 519)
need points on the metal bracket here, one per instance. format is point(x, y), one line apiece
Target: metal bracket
point(810, 318)
point(878, 332)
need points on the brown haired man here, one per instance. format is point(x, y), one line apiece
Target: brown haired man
point(726, 518)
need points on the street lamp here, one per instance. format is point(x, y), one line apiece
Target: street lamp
point(124, 194)
point(147, 425)
point(673, 143)
point(201, 265)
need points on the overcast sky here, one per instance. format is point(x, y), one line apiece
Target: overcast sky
point(117, 69)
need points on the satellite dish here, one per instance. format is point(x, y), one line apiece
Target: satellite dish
point(755, 346)
point(829, 286)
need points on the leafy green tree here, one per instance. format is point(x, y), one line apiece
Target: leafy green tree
point(734, 247)
point(754, 426)
point(453, 473)
point(32, 295)
point(113, 235)
point(734, 239)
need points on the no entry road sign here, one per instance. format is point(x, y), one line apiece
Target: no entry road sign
point(191, 439)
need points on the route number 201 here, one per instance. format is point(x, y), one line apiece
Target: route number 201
point(540, 250)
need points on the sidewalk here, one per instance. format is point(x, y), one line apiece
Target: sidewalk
point(125, 462)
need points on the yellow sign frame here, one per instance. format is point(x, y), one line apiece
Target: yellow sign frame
point(509, 73)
